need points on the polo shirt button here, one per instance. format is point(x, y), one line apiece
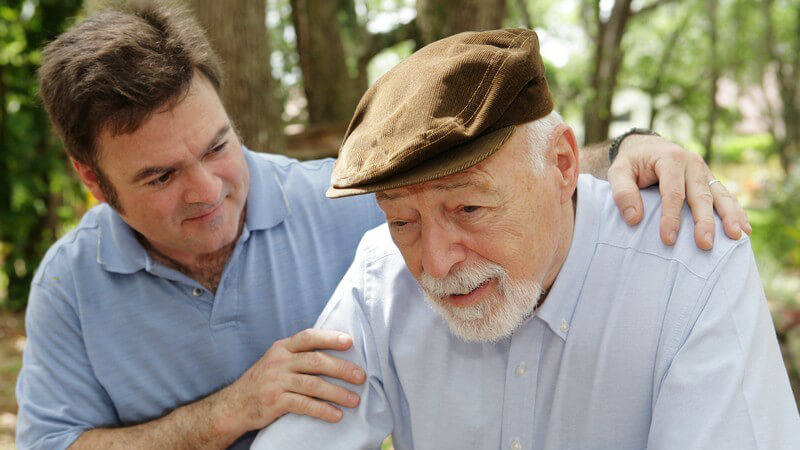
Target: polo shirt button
point(564, 325)
point(516, 444)
point(521, 369)
point(197, 292)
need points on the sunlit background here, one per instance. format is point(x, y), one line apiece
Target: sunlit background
point(721, 77)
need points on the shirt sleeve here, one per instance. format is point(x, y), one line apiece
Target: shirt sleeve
point(727, 386)
point(58, 394)
point(363, 427)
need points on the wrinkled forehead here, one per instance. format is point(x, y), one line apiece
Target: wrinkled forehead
point(470, 181)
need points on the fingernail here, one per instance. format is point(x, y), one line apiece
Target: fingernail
point(709, 239)
point(344, 339)
point(672, 236)
point(747, 228)
point(629, 214)
point(358, 374)
point(352, 399)
point(337, 414)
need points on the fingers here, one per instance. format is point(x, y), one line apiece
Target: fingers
point(300, 404)
point(316, 387)
point(672, 185)
point(625, 189)
point(312, 339)
point(701, 203)
point(318, 363)
point(734, 219)
point(681, 175)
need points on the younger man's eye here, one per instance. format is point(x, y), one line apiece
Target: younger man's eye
point(163, 179)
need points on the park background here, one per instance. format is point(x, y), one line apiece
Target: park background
point(721, 77)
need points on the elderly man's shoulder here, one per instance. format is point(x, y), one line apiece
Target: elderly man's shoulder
point(645, 238)
point(287, 169)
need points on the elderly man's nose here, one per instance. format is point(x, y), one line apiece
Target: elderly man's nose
point(440, 251)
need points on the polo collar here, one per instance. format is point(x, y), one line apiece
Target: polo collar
point(267, 202)
point(559, 307)
point(119, 251)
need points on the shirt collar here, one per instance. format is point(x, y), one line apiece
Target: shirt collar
point(559, 306)
point(267, 203)
point(119, 251)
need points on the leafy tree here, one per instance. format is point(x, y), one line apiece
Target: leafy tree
point(38, 194)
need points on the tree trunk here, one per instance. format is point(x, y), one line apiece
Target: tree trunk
point(788, 78)
point(607, 59)
point(437, 19)
point(663, 64)
point(708, 140)
point(238, 33)
point(331, 92)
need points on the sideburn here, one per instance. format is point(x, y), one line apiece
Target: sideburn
point(108, 190)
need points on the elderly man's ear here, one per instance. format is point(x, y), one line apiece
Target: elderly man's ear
point(566, 154)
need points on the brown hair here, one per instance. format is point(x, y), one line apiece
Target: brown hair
point(115, 68)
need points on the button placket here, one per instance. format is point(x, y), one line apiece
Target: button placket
point(522, 368)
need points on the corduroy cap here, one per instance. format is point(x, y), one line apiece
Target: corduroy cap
point(443, 109)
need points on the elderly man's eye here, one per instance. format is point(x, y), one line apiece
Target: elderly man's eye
point(398, 223)
point(470, 208)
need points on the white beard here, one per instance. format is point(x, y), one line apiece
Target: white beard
point(491, 318)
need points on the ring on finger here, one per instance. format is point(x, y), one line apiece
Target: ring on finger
point(714, 181)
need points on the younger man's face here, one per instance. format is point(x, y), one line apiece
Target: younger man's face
point(181, 178)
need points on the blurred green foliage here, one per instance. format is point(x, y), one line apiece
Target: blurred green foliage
point(39, 196)
point(666, 59)
point(777, 229)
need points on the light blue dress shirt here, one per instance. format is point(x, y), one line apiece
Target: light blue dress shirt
point(115, 338)
point(638, 345)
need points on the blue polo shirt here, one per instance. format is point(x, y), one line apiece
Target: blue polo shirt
point(116, 338)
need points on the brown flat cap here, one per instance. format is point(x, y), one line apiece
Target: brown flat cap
point(443, 109)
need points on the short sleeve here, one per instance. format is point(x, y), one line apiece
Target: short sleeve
point(58, 394)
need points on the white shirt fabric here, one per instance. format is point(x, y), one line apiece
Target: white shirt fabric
point(638, 345)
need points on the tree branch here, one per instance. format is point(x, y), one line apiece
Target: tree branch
point(650, 8)
point(375, 43)
point(526, 17)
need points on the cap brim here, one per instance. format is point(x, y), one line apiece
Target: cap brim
point(447, 163)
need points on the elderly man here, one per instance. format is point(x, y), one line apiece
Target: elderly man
point(148, 324)
point(558, 325)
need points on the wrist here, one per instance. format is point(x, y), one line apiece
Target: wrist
point(617, 142)
point(225, 415)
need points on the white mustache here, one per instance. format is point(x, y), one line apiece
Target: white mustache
point(462, 282)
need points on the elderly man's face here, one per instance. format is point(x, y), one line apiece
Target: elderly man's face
point(484, 242)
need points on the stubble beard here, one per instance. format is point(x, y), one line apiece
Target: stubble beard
point(492, 318)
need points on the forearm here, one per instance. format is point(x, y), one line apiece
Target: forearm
point(202, 424)
point(593, 159)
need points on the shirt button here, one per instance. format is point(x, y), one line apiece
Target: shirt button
point(521, 369)
point(516, 444)
point(197, 292)
point(564, 325)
